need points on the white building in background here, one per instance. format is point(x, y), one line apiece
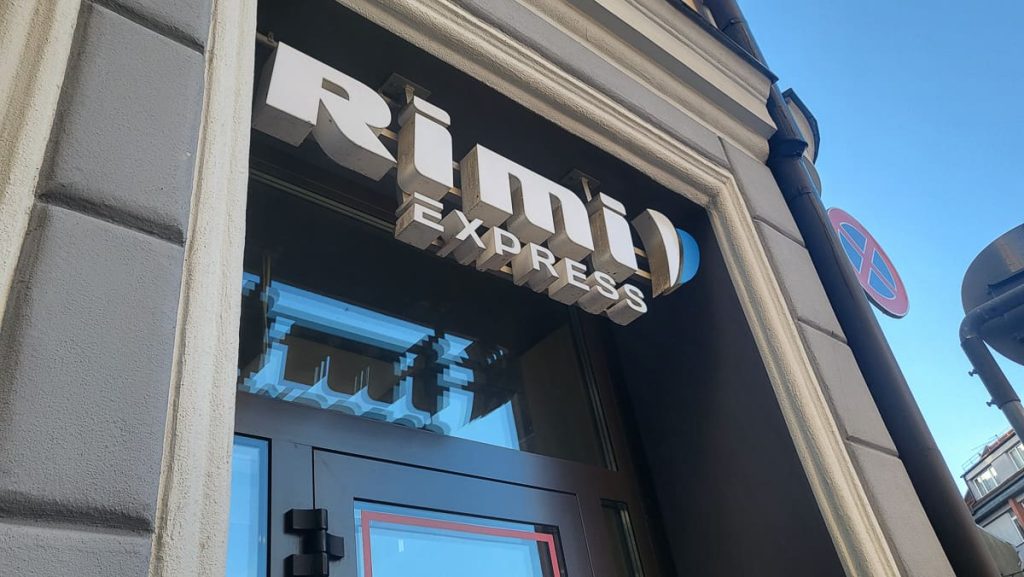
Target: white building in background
point(995, 488)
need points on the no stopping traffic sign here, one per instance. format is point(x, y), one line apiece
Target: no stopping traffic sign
point(877, 275)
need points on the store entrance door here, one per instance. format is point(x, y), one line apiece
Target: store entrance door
point(412, 521)
point(399, 518)
point(449, 422)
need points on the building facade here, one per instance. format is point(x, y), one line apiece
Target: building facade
point(232, 294)
point(995, 486)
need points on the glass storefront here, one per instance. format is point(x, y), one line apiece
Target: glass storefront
point(448, 421)
point(354, 322)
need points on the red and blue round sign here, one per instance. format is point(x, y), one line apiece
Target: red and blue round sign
point(875, 271)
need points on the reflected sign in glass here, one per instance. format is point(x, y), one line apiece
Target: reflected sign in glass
point(388, 335)
point(385, 356)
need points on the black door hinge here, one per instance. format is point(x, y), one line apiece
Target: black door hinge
point(319, 547)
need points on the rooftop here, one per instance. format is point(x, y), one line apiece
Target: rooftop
point(988, 449)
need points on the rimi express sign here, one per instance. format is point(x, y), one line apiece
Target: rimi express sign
point(509, 214)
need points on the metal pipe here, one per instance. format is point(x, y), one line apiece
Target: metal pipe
point(985, 366)
point(266, 39)
point(942, 502)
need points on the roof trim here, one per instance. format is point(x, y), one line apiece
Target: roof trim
point(989, 503)
point(723, 38)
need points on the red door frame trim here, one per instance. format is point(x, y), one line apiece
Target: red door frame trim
point(367, 516)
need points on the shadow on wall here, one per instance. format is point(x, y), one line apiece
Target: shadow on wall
point(731, 491)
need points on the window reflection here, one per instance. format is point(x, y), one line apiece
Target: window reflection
point(622, 545)
point(379, 360)
point(1017, 457)
point(986, 481)
point(247, 524)
point(350, 320)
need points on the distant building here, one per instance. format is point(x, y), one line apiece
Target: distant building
point(995, 489)
point(1004, 554)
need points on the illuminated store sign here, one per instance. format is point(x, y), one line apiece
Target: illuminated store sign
point(510, 217)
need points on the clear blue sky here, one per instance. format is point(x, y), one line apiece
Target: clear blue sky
point(921, 111)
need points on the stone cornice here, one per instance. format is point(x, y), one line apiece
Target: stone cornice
point(678, 43)
point(673, 56)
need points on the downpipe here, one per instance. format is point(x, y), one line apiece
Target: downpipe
point(956, 530)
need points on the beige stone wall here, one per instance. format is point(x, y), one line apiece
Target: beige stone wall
point(643, 83)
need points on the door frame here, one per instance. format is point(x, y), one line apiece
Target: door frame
point(300, 429)
point(382, 482)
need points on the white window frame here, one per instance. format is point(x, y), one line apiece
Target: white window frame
point(1016, 455)
point(986, 481)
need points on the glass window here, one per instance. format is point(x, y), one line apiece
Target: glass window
point(355, 322)
point(985, 481)
point(247, 524)
point(398, 542)
point(1017, 456)
point(620, 540)
point(1004, 528)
